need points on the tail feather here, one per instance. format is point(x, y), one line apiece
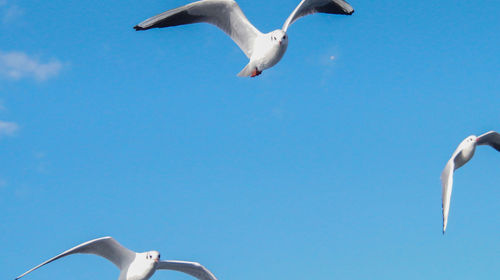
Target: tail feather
point(247, 71)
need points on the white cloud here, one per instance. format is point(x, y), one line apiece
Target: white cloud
point(17, 65)
point(8, 128)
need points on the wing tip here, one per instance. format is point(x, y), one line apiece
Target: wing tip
point(139, 28)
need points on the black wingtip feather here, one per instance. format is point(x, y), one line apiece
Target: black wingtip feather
point(334, 9)
point(496, 147)
point(138, 28)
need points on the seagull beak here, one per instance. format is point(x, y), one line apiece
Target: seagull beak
point(157, 260)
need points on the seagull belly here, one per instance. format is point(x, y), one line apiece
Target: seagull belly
point(267, 54)
point(138, 271)
point(464, 156)
point(274, 57)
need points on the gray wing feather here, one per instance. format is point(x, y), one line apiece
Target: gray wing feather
point(225, 14)
point(307, 7)
point(105, 247)
point(192, 268)
point(491, 138)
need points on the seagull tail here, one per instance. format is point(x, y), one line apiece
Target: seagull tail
point(247, 71)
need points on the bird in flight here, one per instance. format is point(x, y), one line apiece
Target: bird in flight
point(263, 49)
point(461, 156)
point(132, 265)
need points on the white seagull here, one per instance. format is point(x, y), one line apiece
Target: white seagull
point(263, 50)
point(132, 265)
point(461, 156)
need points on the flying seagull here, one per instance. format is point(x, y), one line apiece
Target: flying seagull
point(132, 265)
point(461, 156)
point(263, 50)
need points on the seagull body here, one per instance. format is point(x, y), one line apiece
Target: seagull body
point(263, 50)
point(140, 269)
point(132, 265)
point(463, 153)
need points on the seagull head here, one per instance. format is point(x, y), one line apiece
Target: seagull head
point(279, 37)
point(153, 256)
point(472, 139)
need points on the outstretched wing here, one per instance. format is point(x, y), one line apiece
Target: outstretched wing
point(447, 186)
point(192, 268)
point(307, 7)
point(225, 14)
point(105, 247)
point(491, 138)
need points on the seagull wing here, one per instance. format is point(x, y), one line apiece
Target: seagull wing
point(447, 186)
point(225, 14)
point(307, 7)
point(105, 247)
point(491, 138)
point(192, 268)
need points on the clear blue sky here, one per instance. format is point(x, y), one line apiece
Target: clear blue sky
point(319, 168)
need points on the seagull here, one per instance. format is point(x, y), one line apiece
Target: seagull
point(461, 156)
point(132, 265)
point(263, 50)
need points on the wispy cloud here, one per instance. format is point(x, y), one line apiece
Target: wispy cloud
point(8, 128)
point(9, 12)
point(42, 163)
point(17, 65)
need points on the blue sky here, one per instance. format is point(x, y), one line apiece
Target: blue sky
point(320, 168)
